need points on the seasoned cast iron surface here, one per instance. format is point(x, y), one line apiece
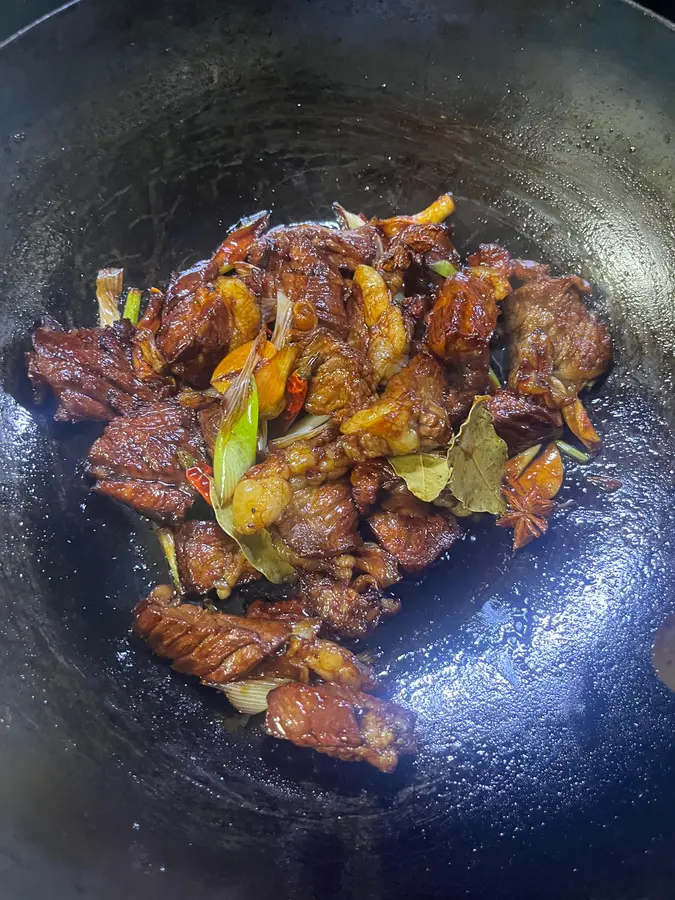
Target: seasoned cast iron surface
point(546, 765)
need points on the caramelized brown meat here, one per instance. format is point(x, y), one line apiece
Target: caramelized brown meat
point(459, 330)
point(288, 611)
point(305, 273)
point(494, 256)
point(345, 610)
point(208, 559)
point(414, 540)
point(521, 421)
point(308, 657)
point(136, 459)
point(321, 521)
point(214, 646)
point(556, 344)
point(162, 502)
point(411, 251)
point(148, 361)
point(374, 561)
point(342, 378)
point(196, 321)
point(90, 370)
point(266, 489)
point(411, 414)
point(345, 249)
point(340, 722)
point(196, 328)
point(368, 479)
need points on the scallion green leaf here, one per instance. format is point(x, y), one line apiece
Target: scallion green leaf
point(444, 268)
point(573, 452)
point(168, 543)
point(132, 306)
point(235, 448)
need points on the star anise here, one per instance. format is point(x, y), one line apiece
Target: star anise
point(527, 514)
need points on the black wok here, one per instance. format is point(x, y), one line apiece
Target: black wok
point(132, 134)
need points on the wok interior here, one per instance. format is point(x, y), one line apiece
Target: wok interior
point(530, 674)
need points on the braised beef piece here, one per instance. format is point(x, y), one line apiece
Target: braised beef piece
point(342, 723)
point(413, 534)
point(347, 610)
point(158, 501)
point(149, 362)
point(288, 611)
point(368, 479)
point(459, 329)
point(304, 273)
point(410, 415)
point(342, 377)
point(376, 562)
point(522, 421)
point(320, 521)
point(410, 253)
point(208, 559)
point(496, 257)
point(212, 645)
point(309, 657)
point(209, 408)
point(345, 249)
point(556, 344)
point(196, 328)
point(196, 323)
point(136, 459)
point(91, 371)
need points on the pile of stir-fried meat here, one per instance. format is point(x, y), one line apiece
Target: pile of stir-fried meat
point(320, 406)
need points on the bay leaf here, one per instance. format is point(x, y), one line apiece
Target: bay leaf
point(258, 548)
point(476, 459)
point(425, 474)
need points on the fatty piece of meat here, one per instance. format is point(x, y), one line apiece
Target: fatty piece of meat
point(211, 645)
point(414, 540)
point(91, 372)
point(522, 421)
point(208, 559)
point(411, 415)
point(342, 377)
point(320, 521)
point(556, 344)
point(196, 324)
point(307, 658)
point(136, 459)
point(266, 489)
point(340, 722)
point(376, 562)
